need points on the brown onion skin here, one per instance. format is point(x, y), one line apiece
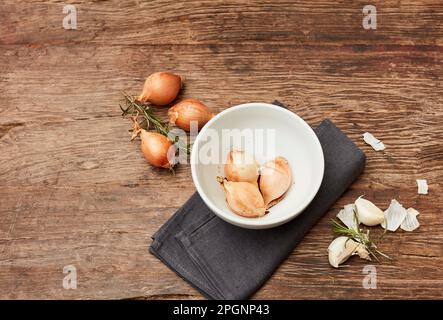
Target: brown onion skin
point(155, 148)
point(161, 88)
point(185, 111)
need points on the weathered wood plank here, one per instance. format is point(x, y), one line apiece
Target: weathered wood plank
point(74, 190)
point(105, 240)
point(332, 80)
point(192, 22)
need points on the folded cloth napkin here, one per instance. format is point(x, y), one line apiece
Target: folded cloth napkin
point(227, 262)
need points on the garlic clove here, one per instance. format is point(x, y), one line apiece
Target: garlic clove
point(337, 253)
point(410, 223)
point(243, 198)
point(368, 213)
point(186, 111)
point(395, 215)
point(348, 216)
point(241, 167)
point(161, 88)
point(275, 180)
point(342, 248)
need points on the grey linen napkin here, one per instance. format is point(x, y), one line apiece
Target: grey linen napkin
point(227, 262)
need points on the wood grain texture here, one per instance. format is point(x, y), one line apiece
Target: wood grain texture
point(74, 190)
point(214, 22)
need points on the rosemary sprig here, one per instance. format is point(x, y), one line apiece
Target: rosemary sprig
point(150, 119)
point(358, 235)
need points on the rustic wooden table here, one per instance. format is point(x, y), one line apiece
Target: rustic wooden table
point(75, 191)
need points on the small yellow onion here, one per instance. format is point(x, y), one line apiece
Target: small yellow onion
point(161, 88)
point(275, 180)
point(188, 110)
point(156, 148)
point(243, 198)
point(241, 167)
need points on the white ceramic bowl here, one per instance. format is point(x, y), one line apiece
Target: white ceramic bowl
point(283, 134)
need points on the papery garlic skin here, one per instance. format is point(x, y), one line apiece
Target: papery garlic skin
point(395, 215)
point(410, 223)
point(342, 248)
point(362, 252)
point(241, 167)
point(243, 198)
point(368, 213)
point(422, 186)
point(348, 216)
point(186, 111)
point(275, 180)
point(376, 144)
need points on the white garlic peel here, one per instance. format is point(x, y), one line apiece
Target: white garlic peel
point(342, 248)
point(410, 223)
point(347, 215)
point(395, 215)
point(376, 144)
point(368, 213)
point(422, 185)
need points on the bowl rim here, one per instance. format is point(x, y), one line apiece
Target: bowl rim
point(256, 223)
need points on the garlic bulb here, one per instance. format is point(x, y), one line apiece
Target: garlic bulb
point(368, 213)
point(241, 167)
point(275, 179)
point(186, 111)
point(342, 248)
point(243, 198)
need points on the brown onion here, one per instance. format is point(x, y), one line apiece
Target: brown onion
point(161, 88)
point(189, 110)
point(156, 148)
